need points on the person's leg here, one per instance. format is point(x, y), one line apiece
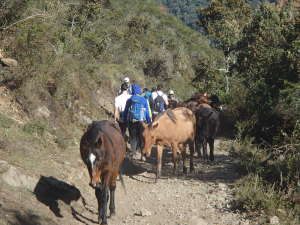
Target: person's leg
point(122, 126)
point(132, 128)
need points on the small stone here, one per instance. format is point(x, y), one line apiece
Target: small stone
point(143, 213)
point(274, 220)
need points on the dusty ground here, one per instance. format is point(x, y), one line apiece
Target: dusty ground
point(200, 198)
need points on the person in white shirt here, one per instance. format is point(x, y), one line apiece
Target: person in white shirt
point(155, 94)
point(120, 103)
point(161, 93)
point(129, 89)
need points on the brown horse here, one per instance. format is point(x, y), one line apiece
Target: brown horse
point(102, 149)
point(194, 102)
point(208, 122)
point(173, 128)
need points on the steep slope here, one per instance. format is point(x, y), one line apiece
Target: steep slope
point(72, 56)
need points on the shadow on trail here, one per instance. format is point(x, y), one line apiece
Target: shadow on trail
point(81, 218)
point(132, 167)
point(50, 190)
point(223, 169)
point(26, 218)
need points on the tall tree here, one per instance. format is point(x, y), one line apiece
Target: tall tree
point(224, 20)
point(267, 62)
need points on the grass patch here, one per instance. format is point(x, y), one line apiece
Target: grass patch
point(35, 127)
point(5, 121)
point(270, 187)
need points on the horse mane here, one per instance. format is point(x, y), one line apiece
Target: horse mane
point(169, 113)
point(95, 130)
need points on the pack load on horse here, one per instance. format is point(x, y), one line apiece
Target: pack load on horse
point(174, 128)
point(102, 149)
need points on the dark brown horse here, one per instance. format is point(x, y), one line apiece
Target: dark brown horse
point(102, 149)
point(194, 102)
point(208, 123)
point(207, 118)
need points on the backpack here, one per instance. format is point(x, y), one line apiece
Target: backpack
point(147, 95)
point(136, 111)
point(159, 104)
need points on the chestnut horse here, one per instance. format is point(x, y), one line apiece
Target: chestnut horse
point(102, 149)
point(208, 121)
point(174, 128)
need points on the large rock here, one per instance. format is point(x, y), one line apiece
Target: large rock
point(14, 177)
point(9, 62)
point(4, 166)
point(42, 112)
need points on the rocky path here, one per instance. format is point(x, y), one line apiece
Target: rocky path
point(201, 198)
point(196, 199)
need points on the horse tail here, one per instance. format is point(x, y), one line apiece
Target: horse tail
point(171, 115)
point(122, 181)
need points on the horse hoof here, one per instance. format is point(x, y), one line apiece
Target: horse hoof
point(112, 213)
point(192, 169)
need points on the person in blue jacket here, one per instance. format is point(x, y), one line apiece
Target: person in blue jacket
point(136, 112)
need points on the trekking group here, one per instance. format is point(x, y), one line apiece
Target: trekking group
point(134, 105)
point(188, 125)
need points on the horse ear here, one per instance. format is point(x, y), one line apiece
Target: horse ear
point(155, 124)
point(100, 140)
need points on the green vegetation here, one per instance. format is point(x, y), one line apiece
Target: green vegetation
point(187, 10)
point(73, 54)
point(262, 64)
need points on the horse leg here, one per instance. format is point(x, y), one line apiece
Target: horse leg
point(183, 152)
point(198, 147)
point(102, 197)
point(175, 158)
point(159, 158)
point(204, 147)
point(192, 149)
point(198, 142)
point(211, 149)
point(112, 188)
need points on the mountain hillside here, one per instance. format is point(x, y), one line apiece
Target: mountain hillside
point(187, 10)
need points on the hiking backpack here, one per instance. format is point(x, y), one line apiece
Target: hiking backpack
point(159, 104)
point(136, 111)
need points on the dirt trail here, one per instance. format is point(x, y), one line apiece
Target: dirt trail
point(196, 199)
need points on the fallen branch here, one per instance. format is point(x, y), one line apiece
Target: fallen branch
point(27, 18)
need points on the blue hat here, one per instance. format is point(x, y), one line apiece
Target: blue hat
point(136, 90)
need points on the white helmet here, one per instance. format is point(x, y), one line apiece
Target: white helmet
point(171, 92)
point(126, 80)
